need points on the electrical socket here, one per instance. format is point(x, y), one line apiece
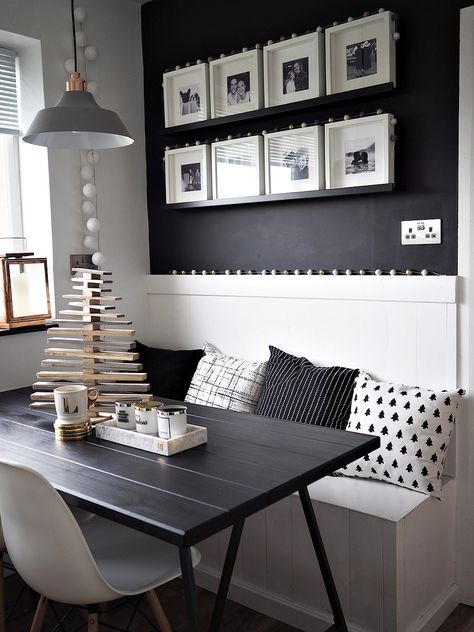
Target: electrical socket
point(81, 261)
point(421, 232)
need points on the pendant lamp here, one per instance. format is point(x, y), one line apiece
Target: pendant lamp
point(77, 121)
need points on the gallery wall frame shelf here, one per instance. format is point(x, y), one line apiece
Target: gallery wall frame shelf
point(307, 105)
point(282, 197)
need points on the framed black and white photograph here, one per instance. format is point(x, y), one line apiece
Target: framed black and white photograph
point(294, 160)
point(188, 171)
point(237, 167)
point(361, 53)
point(186, 95)
point(236, 83)
point(294, 69)
point(359, 152)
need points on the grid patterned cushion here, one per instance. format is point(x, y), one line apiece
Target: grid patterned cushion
point(297, 390)
point(414, 425)
point(223, 381)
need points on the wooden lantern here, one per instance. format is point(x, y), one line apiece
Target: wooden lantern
point(24, 291)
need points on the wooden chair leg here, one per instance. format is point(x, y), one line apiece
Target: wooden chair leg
point(93, 622)
point(40, 614)
point(158, 611)
point(2, 595)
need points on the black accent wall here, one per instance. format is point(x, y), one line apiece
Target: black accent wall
point(362, 231)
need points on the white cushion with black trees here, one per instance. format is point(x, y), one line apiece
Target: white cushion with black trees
point(414, 426)
point(223, 381)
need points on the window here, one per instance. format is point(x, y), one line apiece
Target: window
point(10, 197)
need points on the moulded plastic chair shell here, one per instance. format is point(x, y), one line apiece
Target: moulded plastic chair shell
point(2, 582)
point(96, 562)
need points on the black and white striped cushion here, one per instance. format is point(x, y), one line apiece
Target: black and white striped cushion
point(297, 390)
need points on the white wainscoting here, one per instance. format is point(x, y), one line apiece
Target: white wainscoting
point(401, 329)
point(391, 576)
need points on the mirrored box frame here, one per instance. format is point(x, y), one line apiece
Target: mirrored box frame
point(238, 64)
point(174, 160)
point(379, 128)
point(275, 55)
point(380, 26)
point(184, 78)
point(233, 146)
point(314, 141)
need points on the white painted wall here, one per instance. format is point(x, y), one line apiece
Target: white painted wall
point(114, 27)
point(465, 461)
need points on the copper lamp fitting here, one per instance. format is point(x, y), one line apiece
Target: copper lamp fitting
point(75, 83)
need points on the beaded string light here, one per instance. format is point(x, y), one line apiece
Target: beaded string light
point(318, 29)
point(321, 272)
point(88, 159)
point(290, 126)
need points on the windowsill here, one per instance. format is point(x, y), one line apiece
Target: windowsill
point(23, 330)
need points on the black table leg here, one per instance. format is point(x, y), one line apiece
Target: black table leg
point(339, 621)
point(189, 588)
point(226, 576)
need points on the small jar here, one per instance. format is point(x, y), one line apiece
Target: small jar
point(172, 421)
point(145, 417)
point(125, 413)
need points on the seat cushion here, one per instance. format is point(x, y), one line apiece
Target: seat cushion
point(223, 381)
point(169, 372)
point(297, 390)
point(414, 425)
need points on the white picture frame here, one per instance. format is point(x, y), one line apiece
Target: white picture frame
point(237, 167)
point(186, 95)
point(293, 69)
point(188, 174)
point(236, 83)
point(361, 53)
point(359, 152)
point(294, 160)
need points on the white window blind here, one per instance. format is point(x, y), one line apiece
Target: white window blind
point(8, 93)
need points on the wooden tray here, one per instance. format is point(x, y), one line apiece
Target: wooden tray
point(195, 435)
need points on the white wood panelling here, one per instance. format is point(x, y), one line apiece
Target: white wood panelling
point(401, 329)
point(383, 542)
point(392, 576)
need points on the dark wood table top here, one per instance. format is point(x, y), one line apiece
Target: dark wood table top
point(248, 463)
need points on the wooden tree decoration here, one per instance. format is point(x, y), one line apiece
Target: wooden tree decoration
point(88, 348)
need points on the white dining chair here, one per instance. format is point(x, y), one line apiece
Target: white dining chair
point(2, 581)
point(77, 561)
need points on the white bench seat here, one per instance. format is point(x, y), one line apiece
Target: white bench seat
point(392, 552)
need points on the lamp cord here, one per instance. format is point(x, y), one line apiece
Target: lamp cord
point(74, 35)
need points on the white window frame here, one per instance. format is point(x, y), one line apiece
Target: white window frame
point(11, 137)
point(13, 184)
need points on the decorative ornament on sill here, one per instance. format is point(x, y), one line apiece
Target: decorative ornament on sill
point(24, 300)
point(93, 346)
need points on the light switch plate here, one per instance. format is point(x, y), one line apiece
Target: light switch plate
point(421, 232)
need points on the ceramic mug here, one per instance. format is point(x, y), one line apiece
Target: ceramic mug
point(72, 402)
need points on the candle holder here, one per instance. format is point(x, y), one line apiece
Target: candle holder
point(24, 290)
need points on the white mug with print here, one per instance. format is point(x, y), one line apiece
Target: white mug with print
point(72, 401)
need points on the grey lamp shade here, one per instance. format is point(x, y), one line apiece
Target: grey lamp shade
point(77, 122)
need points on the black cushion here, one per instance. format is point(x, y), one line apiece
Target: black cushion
point(169, 372)
point(297, 390)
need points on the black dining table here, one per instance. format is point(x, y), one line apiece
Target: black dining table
point(248, 463)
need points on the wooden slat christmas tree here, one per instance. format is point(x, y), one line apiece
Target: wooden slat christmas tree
point(92, 348)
